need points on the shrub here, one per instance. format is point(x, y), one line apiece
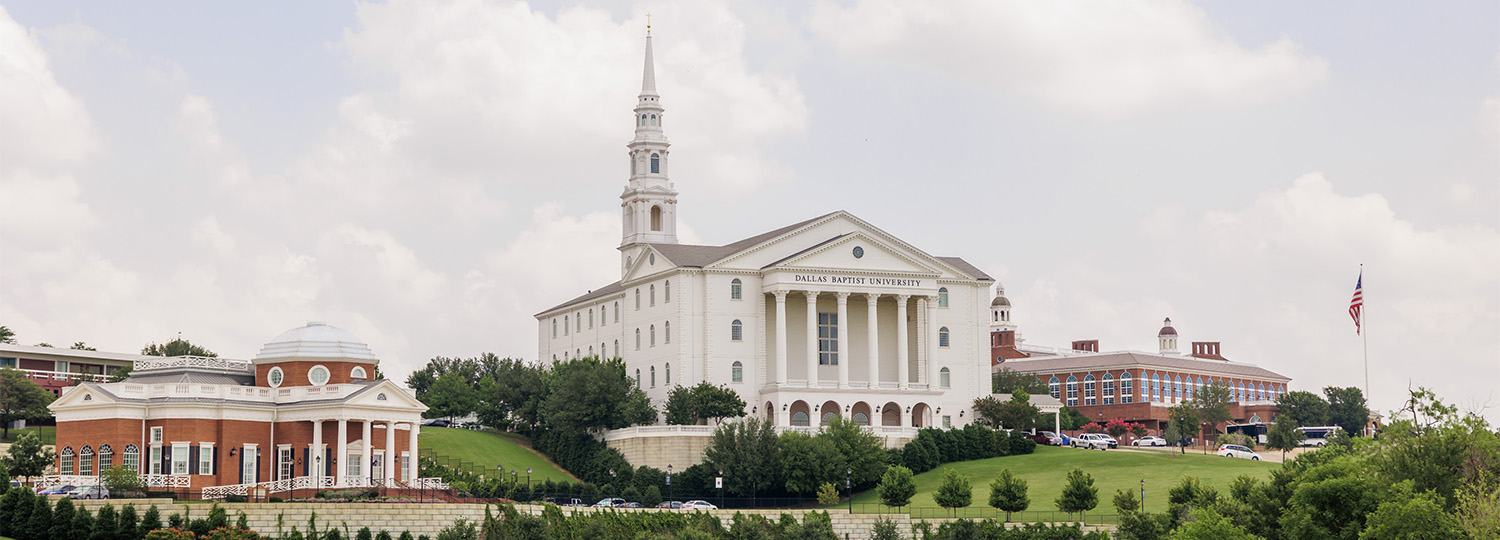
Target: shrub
point(130, 528)
point(230, 533)
point(383, 535)
point(106, 524)
point(827, 494)
point(405, 535)
point(885, 529)
point(62, 520)
point(365, 534)
point(40, 525)
point(461, 530)
point(170, 534)
point(150, 521)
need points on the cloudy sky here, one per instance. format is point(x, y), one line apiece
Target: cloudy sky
point(430, 174)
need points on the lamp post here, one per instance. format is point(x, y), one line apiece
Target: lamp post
point(516, 481)
point(611, 483)
point(669, 485)
point(849, 486)
point(1143, 494)
point(528, 482)
point(720, 481)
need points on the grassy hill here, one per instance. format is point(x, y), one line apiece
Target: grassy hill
point(489, 449)
point(48, 434)
point(1046, 472)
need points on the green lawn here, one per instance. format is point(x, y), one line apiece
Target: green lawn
point(488, 450)
point(1046, 472)
point(48, 433)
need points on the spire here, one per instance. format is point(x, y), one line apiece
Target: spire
point(649, 203)
point(648, 80)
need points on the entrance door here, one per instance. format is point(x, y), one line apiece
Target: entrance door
point(377, 468)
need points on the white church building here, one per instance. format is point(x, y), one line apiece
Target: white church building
point(828, 316)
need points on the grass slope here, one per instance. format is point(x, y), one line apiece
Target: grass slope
point(1046, 472)
point(488, 450)
point(48, 434)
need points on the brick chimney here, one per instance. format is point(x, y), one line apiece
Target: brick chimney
point(1208, 350)
point(1003, 347)
point(1086, 345)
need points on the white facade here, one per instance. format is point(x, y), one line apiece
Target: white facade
point(828, 316)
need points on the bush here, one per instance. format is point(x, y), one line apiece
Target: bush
point(231, 533)
point(170, 534)
point(150, 521)
point(461, 530)
point(827, 494)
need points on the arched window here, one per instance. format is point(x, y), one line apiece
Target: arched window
point(653, 294)
point(734, 289)
point(106, 457)
point(603, 317)
point(666, 291)
point(1155, 387)
point(86, 461)
point(656, 218)
point(654, 120)
point(65, 466)
point(736, 330)
point(554, 327)
point(861, 419)
point(1109, 389)
point(1177, 388)
point(617, 349)
point(799, 418)
point(1127, 388)
point(637, 298)
point(358, 373)
point(945, 377)
point(643, 119)
point(566, 326)
point(655, 163)
point(666, 332)
point(591, 318)
point(943, 337)
point(1052, 388)
point(133, 458)
point(653, 335)
point(737, 372)
point(617, 312)
point(653, 376)
point(942, 297)
point(637, 377)
point(591, 350)
point(1088, 390)
point(578, 320)
point(1072, 391)
point(668, 372)
point(638, 339)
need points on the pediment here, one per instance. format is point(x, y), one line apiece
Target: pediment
point(386, 394)
point(82, 395)
point(642, 266)
point(858, 251)
point(829, 228)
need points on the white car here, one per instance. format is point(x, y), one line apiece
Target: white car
point(1091, 441)
point(1150, 440)
point(698, 505)
point(1237, 451)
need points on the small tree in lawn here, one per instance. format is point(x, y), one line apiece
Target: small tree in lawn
point(1284, 437)
point(1008, 493)
point(27, 457)
point(1079, 495)
point(1116, 428)
point(827, 494)
point(896, 486)
point(1093, 427)
point(1138, 429)
point(955, 491)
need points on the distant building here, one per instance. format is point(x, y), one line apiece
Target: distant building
point(56, 369)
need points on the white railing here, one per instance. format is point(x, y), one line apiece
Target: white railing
point(194, 361)
point(52, 481)
point(429, 483)
point(64, 376)
point(166, 480)
point(147, 480)
point(240, 393)
point(308, 482)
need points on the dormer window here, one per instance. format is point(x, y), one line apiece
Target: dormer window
point(358, 373)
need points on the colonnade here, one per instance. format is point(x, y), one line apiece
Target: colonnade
point(366, 470)
point(926, 308)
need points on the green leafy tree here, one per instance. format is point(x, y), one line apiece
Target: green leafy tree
point(106, 524)
point(27, 457)
point(1184, 424)
point(1008, 493)
point(1209, 525)
point(862, 450)
point(592, 394)
point(7, 336)
point(1126, 502)
point(62, 520)
point(749, 453)
point(121, 374)
point(81, 346)
point(176, 347)
point(510, 396)
point(1138, 429)
point(698, 404)
point(150, 521)
point(808, 461)
point(1018, 412)
point(130, 523)
point(1213, 407)
point(1079, 495)
point(828, 494)
point(955, 491)
point(1347, 409)
point(884, 529)
point(1072, 419)
point(1411, 516)
point(21, 399)
point(1477, 511)
point(1007, 381)
point(987, 411)
point(40, 526)
point(1284, 437)
point(121, 481)
point(897, 486)
point(1302, 408)
point(451, 396)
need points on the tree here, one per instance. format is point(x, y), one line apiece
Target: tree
point(7, 336)
point(27, 457)
point(510, 396)
point(1408, 515)
point(451, 396)
point(1008, 493)
point(955, 491)
point(1007, 381)
point(1138, 429)
point(1213, 407)
point(809, 461)
point(1116, 428)
point(592, 394)
point(897, 486)
point(828, 494)
point(1284, 437)
point(1072, 419)
point(62, 520)
point(1079, 495)
point(21, 399)
point(1209, 525)
point(1302, 408)
point(1184, 418)
point(176, 347)
point(1018, 412)
point(1346, 409)
point(749, 453)
point(698, 404)
point(81, 346)
point(120, 480)
point(1126, 501)
point(862, 450)
point(121, 374)
point(987, 411)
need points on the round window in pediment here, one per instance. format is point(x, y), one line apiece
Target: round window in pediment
point(380, 396)
point(275, 376)
point(859, 252)
point(88, 397)
point(318, 375)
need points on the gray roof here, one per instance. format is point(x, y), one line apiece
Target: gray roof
point(1134, 360)
point(965, 267)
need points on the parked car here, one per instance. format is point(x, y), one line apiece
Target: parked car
point(1237, 451)
point(612, 502)
point(673, 505)
point(1040, 438)
point(89, 492)
point(574, 502)
point(1149, 440)
point(437, 422)
point(16, 484)
point(698, 505)
point(1090, 441)
point(56, 490)
point(1056, 439)
point(1111, 440)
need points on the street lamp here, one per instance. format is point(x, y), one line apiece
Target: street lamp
point(849, 486)
point(1143, 494)
point(611, 482)
point(528, 481)
point(721, 487)
point(669, 485)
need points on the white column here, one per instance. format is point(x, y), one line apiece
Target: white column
point(873, 340)
point(780, 338)
point(369, 450)
point(340, 465)
point(905, 416)
point(842, 343)
point(932, 343)
point(316, 453)
point(812, 338)
point(411, 448)
point(903, 369)
point(924, 343)
point(390, 453)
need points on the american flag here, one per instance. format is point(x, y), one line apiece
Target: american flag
point(1358, 301)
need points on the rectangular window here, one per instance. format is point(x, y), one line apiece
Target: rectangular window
point(353, 461)
point(554, 328)
point(1127, 393)
point(67, 465)
point(284, 463)
point(156, 435)
point(205, 458)
point(180, 458)
point(947, 421)
point(86, 465)
point(591, 318)
point(828, 339)
point(405, 470)
point(106, 460)
point(566, 326)
point(1088, 392)
point(377, 467)
point(247, 466)
point(133, 462)
point(155, 463)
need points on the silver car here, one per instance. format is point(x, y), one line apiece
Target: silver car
point(89, 492)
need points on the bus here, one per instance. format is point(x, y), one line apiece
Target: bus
point(1255, 430)
point(1317, 436)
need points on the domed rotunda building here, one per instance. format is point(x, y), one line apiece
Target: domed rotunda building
point(307, 413)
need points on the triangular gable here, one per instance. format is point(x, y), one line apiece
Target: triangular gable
point(876, 255)
point(82, 395)
point(394, 396)
point(856, 225)
point(640, 269)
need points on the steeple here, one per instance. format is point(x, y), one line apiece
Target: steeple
point(649, 202)
point(1166, 338)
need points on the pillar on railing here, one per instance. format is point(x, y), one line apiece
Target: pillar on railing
point(365, 470)
point(314, 455)
point(390, 452)
point(412, 471)
point(340, 461)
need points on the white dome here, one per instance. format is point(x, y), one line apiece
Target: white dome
point(316, 340)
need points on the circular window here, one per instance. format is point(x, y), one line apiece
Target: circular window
point(318, 375)
point(859, 252)
point(274, 377)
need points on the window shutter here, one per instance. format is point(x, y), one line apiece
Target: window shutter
point(193, 459)
point(306, 461)
point(242, 468)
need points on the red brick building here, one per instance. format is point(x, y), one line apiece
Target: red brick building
point(305, 414)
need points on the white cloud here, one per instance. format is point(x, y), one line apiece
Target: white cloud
point(199, 127)
point(41, 123)
point(1088, 58)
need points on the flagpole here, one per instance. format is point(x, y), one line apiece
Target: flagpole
point(1364, 316)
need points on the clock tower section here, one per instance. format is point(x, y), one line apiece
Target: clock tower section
point(648, 206)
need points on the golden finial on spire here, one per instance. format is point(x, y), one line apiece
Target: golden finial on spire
point(648, 24)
